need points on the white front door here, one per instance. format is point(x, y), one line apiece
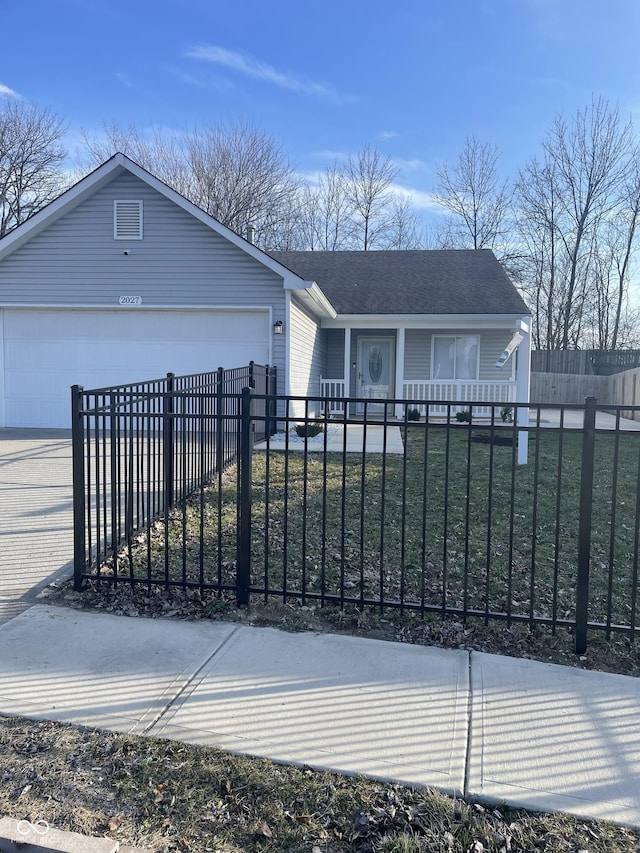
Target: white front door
point(376, 371)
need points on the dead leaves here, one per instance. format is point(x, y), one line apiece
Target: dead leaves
point(263, 830)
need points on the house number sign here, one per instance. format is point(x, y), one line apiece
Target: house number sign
point(130, 300)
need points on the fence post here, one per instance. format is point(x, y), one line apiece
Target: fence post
point(584, 528)
point(115, 457)
point(77, 445)
point(273, 389)
point(243, 562)
point(267, 402)
point(168, 441)
point(220, 421)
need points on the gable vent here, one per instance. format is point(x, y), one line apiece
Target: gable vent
point(127, 220)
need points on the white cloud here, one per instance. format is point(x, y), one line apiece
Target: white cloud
point(329, 155)
point(251, 67)
point(384, 135)
point(415, 165)
point(419, 199)
point(5, 91)
point(219, 84)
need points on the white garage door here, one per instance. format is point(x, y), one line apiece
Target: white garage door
point(48, 351)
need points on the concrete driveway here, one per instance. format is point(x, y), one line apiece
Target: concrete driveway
point(36, 514)
point(574, 419)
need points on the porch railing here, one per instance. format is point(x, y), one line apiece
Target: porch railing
point(333, 390)
point(464, 390)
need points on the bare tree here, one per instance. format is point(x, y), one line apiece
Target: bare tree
point(479, 200)
point(241, 175)
point(403, 225)
point(327, 225)
point(577, 214)
point(625, 247)
point(160, 153)
point(590, 157)
point(538, 213)
point(610, 321)
point(31, 157)
point(368, 179)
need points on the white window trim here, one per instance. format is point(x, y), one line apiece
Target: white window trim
point(455, 336)
point(128, 236)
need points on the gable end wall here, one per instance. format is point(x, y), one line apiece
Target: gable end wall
point(179, 262)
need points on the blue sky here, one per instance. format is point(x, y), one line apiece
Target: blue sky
point(410, 77)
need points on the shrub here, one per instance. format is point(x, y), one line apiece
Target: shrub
point(506, 413)
point(309, 430)
point(413, 414)
point(464, 417)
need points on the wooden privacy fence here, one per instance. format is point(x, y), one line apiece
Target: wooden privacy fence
point(584, 362)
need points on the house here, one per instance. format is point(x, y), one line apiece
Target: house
point(122, 279)
point(418, 325)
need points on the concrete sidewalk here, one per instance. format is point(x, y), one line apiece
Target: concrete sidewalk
point(496, 729)
point(36, 514)
point(340, 438)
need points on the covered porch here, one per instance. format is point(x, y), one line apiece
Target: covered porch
point(484, 362)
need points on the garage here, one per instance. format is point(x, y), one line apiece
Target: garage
point(45, 351)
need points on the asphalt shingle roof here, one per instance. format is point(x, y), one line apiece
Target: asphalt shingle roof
point(409, 282)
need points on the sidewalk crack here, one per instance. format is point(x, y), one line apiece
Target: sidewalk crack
point(185, 687)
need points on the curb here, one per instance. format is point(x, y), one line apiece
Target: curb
point(25, 837)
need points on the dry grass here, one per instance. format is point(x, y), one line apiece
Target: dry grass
point(168, 796)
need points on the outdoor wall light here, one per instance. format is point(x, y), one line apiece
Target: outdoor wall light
point(278, 327)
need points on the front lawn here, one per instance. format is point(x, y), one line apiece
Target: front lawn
point(453, 525)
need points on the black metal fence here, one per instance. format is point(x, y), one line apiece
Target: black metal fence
point(433, 515)
point(140, 449)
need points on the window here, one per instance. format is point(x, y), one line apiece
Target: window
point(127, 220)
point(455, 357)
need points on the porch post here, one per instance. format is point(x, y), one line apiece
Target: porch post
point(523, 379)
point(399, 370)
point(347, 362)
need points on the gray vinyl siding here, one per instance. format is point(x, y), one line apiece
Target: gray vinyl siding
point(492, 343)
point(335, 354)
point(180, 261)
point(418, 343)
point(417, 354)
point(307, 352)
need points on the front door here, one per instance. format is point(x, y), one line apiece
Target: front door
point(376, 371)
